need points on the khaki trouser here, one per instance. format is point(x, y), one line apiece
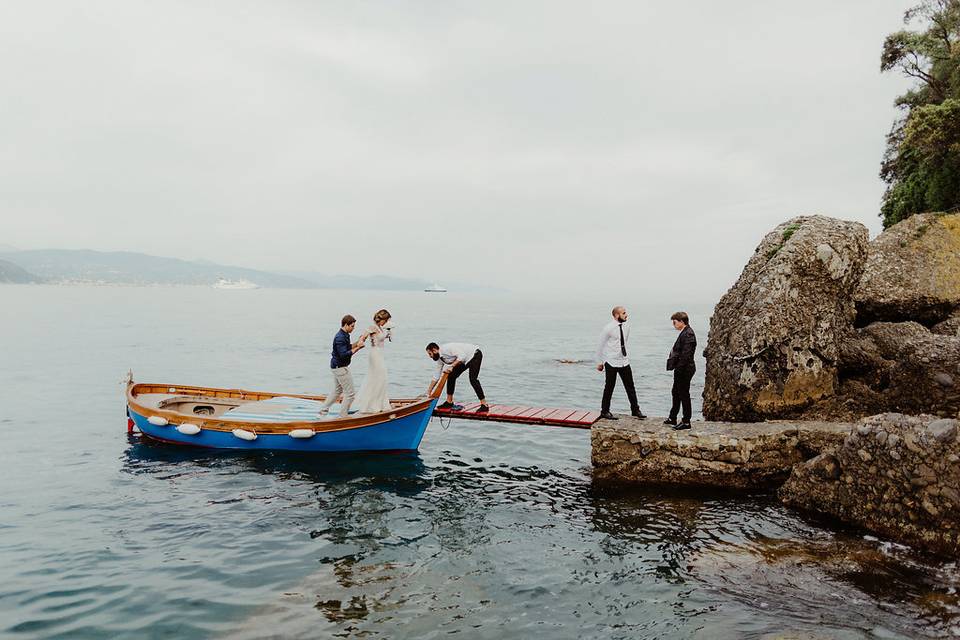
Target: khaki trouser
point(342, 383)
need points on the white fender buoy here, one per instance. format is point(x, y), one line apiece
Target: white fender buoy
point(243, 434)
point(188, 429)
point(302, 433)
point(158, 421)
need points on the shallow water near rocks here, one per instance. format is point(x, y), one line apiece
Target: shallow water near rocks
point(490, 531)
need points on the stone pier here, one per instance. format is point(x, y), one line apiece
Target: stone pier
point(756, 455)
point(896, 475)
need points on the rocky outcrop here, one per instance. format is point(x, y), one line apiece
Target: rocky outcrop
point(785, 342)
point(893, 474)
point(898, 366)
point(774, 343)
point(817, 329)
point(948, 327)
point(726, 455)
point(912, 272)
point(905, 355)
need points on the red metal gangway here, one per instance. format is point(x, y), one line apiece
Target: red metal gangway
point(576, 418)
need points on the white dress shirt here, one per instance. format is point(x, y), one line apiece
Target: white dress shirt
point(609, 349)
point(453, 351)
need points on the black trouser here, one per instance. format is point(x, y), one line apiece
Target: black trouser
point(474, 367)
point(681, 392)
point(626, 375)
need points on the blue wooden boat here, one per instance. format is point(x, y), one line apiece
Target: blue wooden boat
point(261, 420)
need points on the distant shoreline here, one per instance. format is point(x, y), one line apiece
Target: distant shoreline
point(127, 268)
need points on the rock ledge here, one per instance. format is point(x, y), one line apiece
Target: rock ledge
point(893, 474)
point(714, 454)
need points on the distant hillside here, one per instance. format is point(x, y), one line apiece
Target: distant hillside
point(11, 273)
point(123, 267)
point(384, 283)
point(67, 266)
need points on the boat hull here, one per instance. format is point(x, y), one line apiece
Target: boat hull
point(401, 434)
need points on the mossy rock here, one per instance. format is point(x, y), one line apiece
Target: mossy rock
point(912, 272)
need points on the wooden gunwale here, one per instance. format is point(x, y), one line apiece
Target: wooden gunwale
point(267, 428)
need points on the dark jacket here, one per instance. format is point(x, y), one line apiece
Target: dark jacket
point(681, 356)
point(342, 350)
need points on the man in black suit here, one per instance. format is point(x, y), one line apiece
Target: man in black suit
point(683, 367)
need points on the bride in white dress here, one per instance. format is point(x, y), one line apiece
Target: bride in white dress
point(373, 394)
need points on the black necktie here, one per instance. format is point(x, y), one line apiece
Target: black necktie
point(623, 344)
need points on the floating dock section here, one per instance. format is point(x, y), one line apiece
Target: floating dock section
point(576, 418)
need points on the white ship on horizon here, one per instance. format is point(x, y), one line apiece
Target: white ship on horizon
point(224, 283)
point(435, 288)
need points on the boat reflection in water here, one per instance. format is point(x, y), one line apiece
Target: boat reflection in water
point(402, 473)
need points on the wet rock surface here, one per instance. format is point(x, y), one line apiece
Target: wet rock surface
point(774, 343)
point(715, 454)
point(893, 474)
point(813, 568)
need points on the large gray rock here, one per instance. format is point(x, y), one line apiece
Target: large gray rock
point(912, 272)
point(729, 455)
point(775, 336)
point(896, 475)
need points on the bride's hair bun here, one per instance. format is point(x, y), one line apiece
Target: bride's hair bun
point(383, 314)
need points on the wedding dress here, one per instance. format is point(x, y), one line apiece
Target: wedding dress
point(373, 394)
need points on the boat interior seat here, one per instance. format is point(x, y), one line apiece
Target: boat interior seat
point(199, 405)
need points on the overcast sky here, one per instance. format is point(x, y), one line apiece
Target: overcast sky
point(634, 147)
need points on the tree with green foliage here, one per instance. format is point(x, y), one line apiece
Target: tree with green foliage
point(921, 165)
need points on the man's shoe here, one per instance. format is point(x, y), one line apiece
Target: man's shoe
point(638, 415)
point(670, 421)
point(681, 426)
point(445, 405)
point(606, 415)
point(483, 408)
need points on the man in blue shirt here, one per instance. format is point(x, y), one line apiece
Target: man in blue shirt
point(340, 357)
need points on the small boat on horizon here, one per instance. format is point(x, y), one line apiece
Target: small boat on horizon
point(261, 420)
point(435, 288)
point(225, 283)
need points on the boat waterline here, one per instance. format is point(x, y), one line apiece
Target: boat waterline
point(401, 434)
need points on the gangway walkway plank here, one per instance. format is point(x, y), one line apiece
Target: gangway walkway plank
point(520, 414)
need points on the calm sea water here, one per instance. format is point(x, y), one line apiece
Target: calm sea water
point(491, 531)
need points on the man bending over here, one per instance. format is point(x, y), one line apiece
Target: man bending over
point(457, 357)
